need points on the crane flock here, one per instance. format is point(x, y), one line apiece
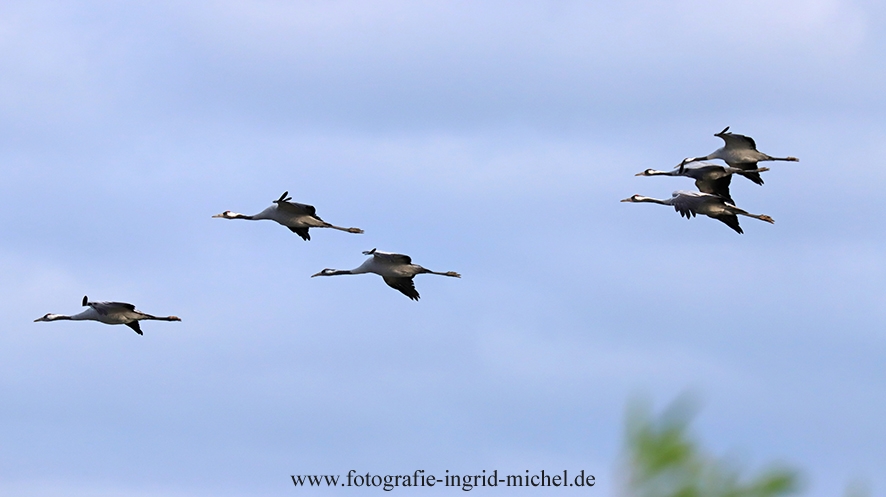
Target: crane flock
point(713, 200)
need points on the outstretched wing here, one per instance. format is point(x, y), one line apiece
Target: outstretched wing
point(296, 208)
point(389, 258)
point(738, 141)
point(404, 285)
point(718, 186)
point(687, 203)
point(135, 327)
point(711, 178)
point(302, 232)
point(730, 220)
point(105, 308)
point(754, 176)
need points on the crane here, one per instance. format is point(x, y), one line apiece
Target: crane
point(688, 204)
point(740, 152)
point(297, 217)
point(109, 313)
point(396, 269)
point(709, 178)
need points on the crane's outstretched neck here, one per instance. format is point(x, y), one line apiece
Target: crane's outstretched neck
point(653, 172)
point(641, 198)
point(233, 215)
point(54, 317)
point(334, 272)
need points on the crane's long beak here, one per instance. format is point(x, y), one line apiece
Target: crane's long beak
point(625, 199)
point(318, 274)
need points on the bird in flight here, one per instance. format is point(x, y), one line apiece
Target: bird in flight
point(709, 178)
point(740, 152)
point(297, 217)
point(688, 204)
point(396, 269)
point(109, 313)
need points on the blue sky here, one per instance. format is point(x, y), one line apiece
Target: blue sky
point(494, 139)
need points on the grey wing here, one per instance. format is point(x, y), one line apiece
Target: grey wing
point(688, 203)
point(302, 232)
point(135, 327)
point(404, 285)
point(105, 308)
point(721, 187)
point(296, 208)
point(738, 141)
point(389, 258)
point(755, 177)
point(712, 179)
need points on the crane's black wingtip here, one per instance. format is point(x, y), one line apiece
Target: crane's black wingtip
point(302, 232)
point(85, 301)
point(135, 327)
point(731, 221)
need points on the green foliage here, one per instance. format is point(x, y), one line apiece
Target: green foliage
point(663, 461)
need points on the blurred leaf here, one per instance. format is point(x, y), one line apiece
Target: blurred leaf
point(663, 461)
